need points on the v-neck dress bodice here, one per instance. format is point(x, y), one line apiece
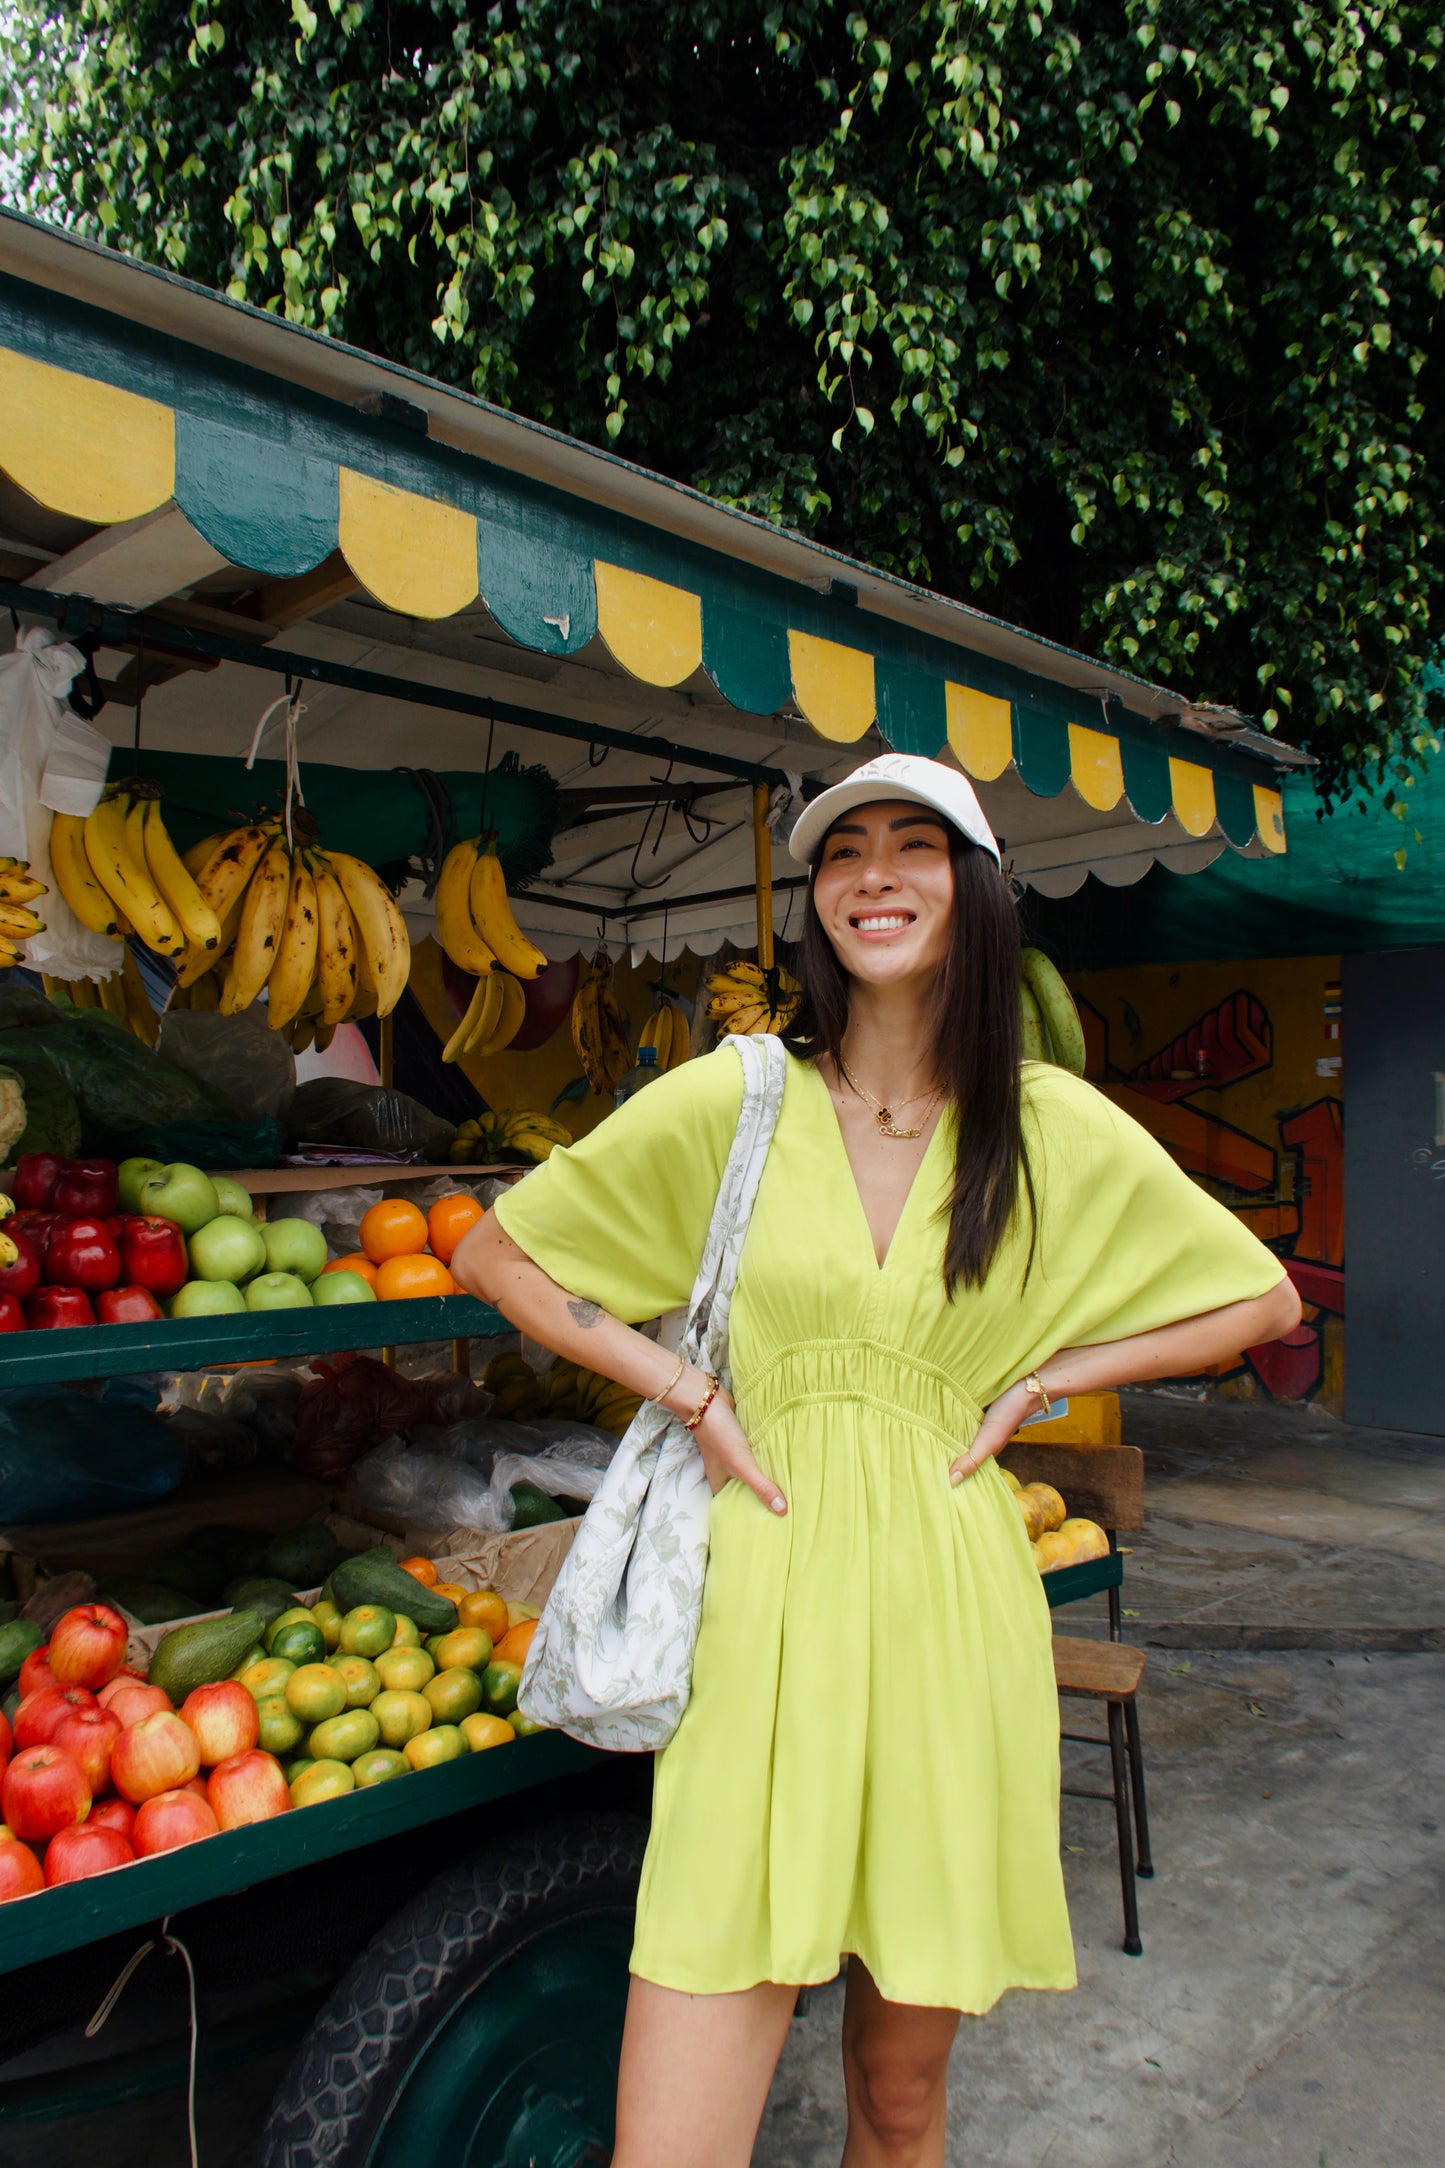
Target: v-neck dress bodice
point(869, 1759)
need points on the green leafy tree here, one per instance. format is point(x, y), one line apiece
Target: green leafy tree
point(1119, 316)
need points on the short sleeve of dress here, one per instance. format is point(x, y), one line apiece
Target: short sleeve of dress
point(1126, 1241)
point(620, 1217)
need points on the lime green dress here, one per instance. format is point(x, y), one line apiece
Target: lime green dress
point(869, 1762)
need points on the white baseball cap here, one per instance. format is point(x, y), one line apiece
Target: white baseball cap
point(895, 775)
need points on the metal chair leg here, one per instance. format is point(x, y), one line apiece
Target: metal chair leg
point(1118, 1756)
point(1144, 1861)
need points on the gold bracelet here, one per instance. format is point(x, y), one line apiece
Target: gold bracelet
point(658, 1399)
point(1034, 1384)
point(704, 1404)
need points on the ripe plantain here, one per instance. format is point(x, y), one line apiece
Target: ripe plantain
point(1056, 1007)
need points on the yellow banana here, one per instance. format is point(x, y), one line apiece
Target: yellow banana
point(9, 953)
point(139, 1014)
point(206, 991)
point(199, 854)
point(455, 928)
point(382, 939)
point(492, 917)
point(18, 923)
point(485, 1002)
point(78, 886)
point(295, 965)
point(224, 874)
point(112, 996)
point(336, 946)
point(323, 1036)
point(195, 917)
point(114, 846)
point(197, 961)
point(17, 883)
point(747, 1021)
point(511, 1010)
point(262, 918)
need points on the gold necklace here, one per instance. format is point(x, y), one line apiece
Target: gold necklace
point(883, 1115)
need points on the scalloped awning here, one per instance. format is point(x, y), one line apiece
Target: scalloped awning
point(107, 422)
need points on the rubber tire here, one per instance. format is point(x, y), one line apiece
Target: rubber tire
point(337, 2090)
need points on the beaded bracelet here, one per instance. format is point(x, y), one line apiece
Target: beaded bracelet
point(706, 1402)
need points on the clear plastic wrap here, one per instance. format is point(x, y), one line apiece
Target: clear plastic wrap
point(337, 1110)
point(247, 1067)
point(426, 1491)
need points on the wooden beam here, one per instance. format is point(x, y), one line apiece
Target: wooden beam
point(287, 602)
point(134, 564)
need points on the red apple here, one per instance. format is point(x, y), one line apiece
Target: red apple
point(198, 1786)
point(42, 1791)
point(21, 1873)
point(248, 1788)
point(89, 1734)
point(39, 1713)
point(112, 1813)
point(35, 1672)
point(131, 1700)
point(7, 1741)
point(223, 1718)
point(170, 1819)
point(87, 1645)
point(155, 1755)
point(73, 1855)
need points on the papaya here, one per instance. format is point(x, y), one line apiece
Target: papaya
point(202, 1652)
point(375, 1577)
point(17, 1639)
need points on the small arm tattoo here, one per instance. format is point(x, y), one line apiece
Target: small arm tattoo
point(586, 1314)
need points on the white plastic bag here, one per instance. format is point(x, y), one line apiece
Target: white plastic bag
point(50, 762)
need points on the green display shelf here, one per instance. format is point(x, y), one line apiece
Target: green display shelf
point(1068, 1584)
point(34, 1928)
point(113, 1351)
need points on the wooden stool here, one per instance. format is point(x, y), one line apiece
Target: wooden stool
point(1110, 1671)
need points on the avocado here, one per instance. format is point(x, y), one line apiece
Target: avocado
point(249, 1555)
point(206, 1650)
point(258, 1592)
point(532, 1508)
point(150, 1601)
point(199, 1576)
point(17, 1640)
point(375, 1577)
point(304, 1556)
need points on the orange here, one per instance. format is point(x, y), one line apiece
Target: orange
point(452, 1590)
point(448, 1220)
point(358, 1261)
point(513, 1646)
point(420, 1569)
point(484, 1608)
point(392, 1228)
point(402, 1279)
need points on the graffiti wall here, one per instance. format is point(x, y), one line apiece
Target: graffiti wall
point(1236, 1068)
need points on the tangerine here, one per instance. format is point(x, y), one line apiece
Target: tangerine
point(420, 1569)
point(392, 1228)
point(357, 1262)
point(448, 1220)
point(404, 1278)
point(514, 1644)
point(484, 1608)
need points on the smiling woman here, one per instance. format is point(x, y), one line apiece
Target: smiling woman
point(942, 1237)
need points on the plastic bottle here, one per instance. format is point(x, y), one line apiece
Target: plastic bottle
point(646, 1072)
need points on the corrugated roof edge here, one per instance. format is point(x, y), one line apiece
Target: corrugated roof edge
point(53, 257)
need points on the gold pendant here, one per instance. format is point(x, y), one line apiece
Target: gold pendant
point(889, 1128)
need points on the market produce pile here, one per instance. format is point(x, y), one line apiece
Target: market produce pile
point(1056, 1538)
point(237, 1719)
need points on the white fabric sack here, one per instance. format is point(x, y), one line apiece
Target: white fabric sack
point(50, 762)
point(611, 1660)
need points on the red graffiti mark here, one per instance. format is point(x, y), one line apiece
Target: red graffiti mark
point(1289, 1368)
point(1227, 1044)
point(1323, 1285)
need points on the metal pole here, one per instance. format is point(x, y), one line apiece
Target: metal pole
point(763, 874)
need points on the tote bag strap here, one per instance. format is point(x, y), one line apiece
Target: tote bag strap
point(765, 1068)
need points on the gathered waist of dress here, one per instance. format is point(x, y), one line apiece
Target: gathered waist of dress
point(866, 1373)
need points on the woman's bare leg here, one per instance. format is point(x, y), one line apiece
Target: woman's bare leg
point(895, 2069)
point(695, 2074)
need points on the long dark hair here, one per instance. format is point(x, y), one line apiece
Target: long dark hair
point(976, 1051)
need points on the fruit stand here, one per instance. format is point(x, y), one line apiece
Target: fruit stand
point(200, 499)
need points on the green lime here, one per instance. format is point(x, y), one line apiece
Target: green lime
point(298, 1615)
point(500, 1683)
point(302, 1642)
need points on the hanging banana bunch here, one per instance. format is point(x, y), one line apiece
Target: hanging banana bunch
point(522, 1132)
point(747, 998)
point(18, 923)
point(599, 1028)
point(492, 1019)
point(1051, 1027)
point(319, 930)
point(121, 874)
point(475, 923)
point(667, 1029)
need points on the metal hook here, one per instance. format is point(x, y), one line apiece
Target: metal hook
point(596, 758)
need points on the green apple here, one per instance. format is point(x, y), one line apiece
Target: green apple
point(227, 1248)
point(231, 1197)
point(205, 1298)
point(341, 1287)
point(294, 1245)
point(181, 1193)
point(278, 1291)
point(128, 1178)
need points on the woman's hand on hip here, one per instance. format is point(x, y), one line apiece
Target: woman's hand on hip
point(727, 1456)
point(1000, 1420)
